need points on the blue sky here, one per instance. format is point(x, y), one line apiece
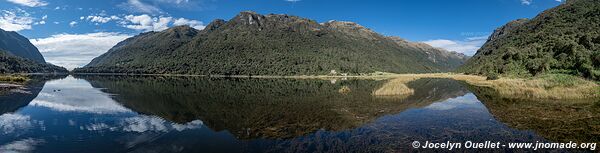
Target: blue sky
point(70, 33)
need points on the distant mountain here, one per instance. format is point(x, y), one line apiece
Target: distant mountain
point(564, 39)
point(20, 46)
point(254, 44)
point(439, 56)
point(13, 64)
point(18, 55)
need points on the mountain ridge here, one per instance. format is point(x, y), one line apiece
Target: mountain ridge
point(273, 44)
point(17, 45)
point(18, 55)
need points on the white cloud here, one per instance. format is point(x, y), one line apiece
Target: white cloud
point(76, 50)
point(293, 0)
point(143, 22)
point(98, 19)
point(97, 102)
point(136, 6)
point(529, 2)
point(192, 23)
point(11, 122)
point(43, 21)
point(39, 23)
point(16, 20)
point(155, 124)
point(29, 3)
point(21, 146)
point(468, 46)
point(154, 6)
point(174, 1)
point(147, 23)
point(144, 123)
point(72, 23)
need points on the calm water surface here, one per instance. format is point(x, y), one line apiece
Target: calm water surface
point(199, 114)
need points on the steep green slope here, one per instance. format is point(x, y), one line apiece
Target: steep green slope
point(20, 46)
point(254, 44)
point(14, 64)
point(141, 50)
point(564, 39)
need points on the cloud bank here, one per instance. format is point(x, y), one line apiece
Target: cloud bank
point(29, 3)
point(76, 50)
point(143, 22)
point(15, 20)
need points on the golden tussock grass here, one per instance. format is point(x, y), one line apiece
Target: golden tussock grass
point(553, 86)
point(550, 86)
point(344, 90)
point(13, 79)
point(395, 88)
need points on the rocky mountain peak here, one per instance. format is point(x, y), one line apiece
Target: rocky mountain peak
point(351, 28)
point(506, 29)
point(248, 18)
point(182, 31)
point(346, 25)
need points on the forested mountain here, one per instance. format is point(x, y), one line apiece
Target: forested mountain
point(18, 55)
point(20, 46)
point(564, 39)
point(13, 64)
point(254, 44)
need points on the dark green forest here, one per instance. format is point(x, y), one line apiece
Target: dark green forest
point(254, 44)
point(565, 39)
point(14, 64)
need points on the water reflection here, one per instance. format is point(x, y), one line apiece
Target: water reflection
point(562, 121)
point(11, 101)
point(59, 96)
point(267, 108)
point(15, 99)
point(198, 114)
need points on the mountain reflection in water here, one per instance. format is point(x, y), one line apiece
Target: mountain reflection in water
point(267, 108)
point(201, 114)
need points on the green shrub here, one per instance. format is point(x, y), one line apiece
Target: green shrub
point(561, 80)
point(492, 76)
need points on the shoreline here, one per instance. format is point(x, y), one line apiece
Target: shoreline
point(388, 75)
point(542, 87)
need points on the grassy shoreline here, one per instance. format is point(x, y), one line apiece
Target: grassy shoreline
point(550, 86)
point(13, 79)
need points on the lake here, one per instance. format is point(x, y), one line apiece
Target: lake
point(89, 113)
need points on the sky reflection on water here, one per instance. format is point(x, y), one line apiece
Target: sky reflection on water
point(71, 115)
